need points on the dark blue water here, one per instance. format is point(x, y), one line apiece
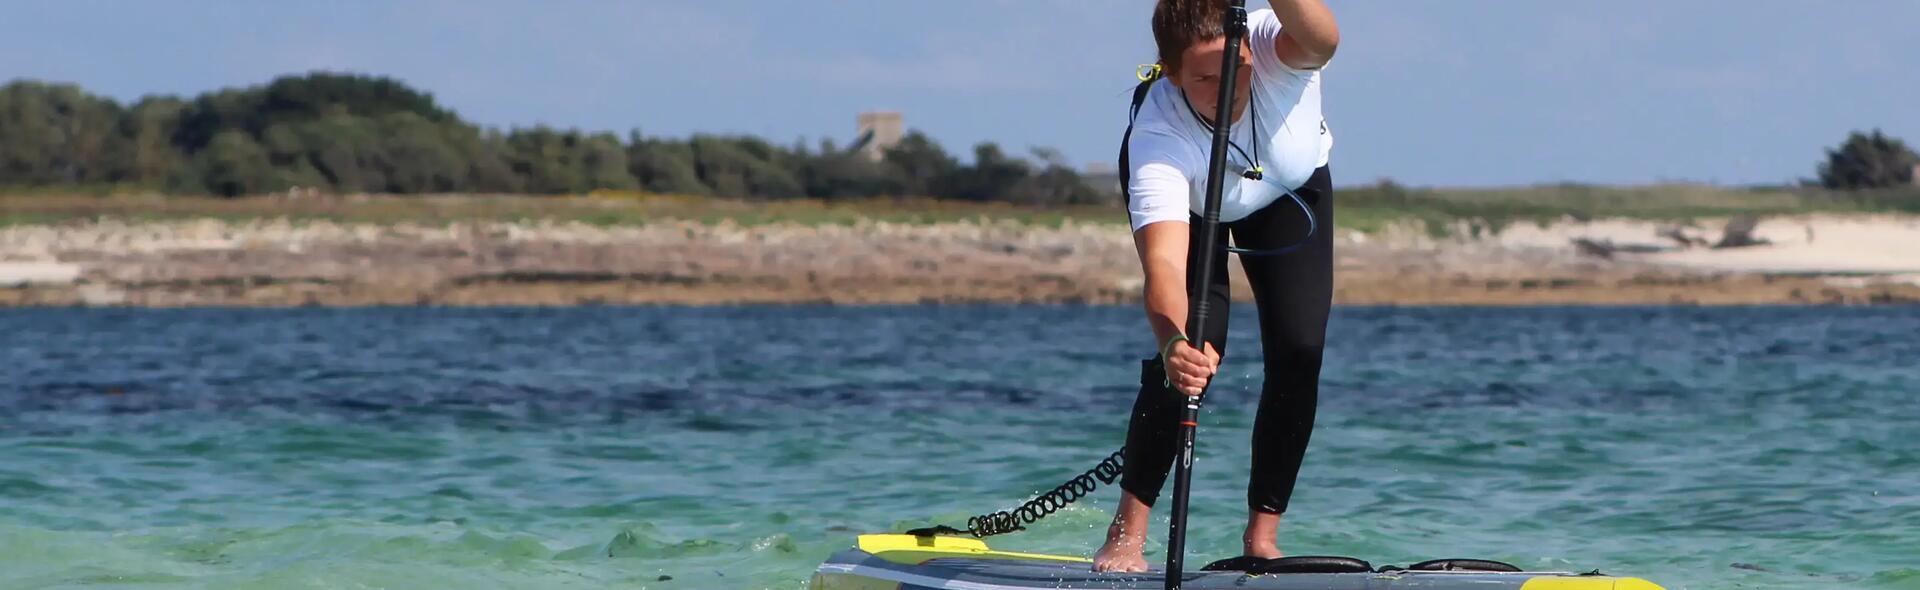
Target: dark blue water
point(737, 447)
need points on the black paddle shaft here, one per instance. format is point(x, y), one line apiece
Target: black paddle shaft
point(1235, 29)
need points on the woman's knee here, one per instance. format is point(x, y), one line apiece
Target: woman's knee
point(1296, 356)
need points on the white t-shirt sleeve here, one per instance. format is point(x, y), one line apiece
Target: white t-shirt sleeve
point(1263, 32)
point(1158, 186)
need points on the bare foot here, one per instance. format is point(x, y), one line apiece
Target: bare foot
point(1121, 553)
point(1126, 538)
point(1262, 528)
point(1267, 550)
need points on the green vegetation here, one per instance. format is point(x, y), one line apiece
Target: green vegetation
point(1365, 208)
point(598, 208)
point(66, 154)
point(1869, 161)
point(1370, 207)
point(348, 134)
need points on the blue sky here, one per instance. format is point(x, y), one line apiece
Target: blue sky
point(1477, 92)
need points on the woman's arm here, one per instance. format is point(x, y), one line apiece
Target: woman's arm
point(1308, 34)
point(1163, 255)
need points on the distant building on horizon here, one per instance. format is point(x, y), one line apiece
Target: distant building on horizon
point(878, 131)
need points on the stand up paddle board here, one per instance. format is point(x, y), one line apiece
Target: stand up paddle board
point(906, 562)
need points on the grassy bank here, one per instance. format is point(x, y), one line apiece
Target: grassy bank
point(1368, 208)
point(597, 209)
point(1365, 208)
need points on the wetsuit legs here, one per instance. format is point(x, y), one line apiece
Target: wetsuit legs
point(1153, 432)
point(1293, 293)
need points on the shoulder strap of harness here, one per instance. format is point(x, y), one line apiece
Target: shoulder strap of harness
point(1148, 74)
point(1151, 73)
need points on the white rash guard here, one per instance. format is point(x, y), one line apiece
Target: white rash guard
point(1168, 150)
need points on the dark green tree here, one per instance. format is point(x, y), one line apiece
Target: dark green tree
point(234, 165)
point(149, 128)
point(1868, 160)
point(741, 167)
point(664, 166)
point(603, 163)
point(299, 99)
point(545, 159)
point(926, 168)
point(992, 176)
point(59, 134)
point(416, 156)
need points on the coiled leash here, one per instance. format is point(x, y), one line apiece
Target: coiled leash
point(1007, 521)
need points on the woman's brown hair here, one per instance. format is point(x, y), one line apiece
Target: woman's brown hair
point(1178, 24)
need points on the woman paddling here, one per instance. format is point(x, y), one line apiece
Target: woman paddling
point(1279, 145)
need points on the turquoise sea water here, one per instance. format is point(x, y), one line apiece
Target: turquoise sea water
point(737, 447)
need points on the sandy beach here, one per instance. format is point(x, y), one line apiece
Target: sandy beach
point(1850, 259)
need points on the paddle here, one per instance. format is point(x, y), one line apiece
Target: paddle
point(1235, 28)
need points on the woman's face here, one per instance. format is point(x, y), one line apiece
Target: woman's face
point(1199, 76)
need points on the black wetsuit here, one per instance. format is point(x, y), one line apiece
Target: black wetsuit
point(1293, 293)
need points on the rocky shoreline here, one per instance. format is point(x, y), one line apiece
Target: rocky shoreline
point(275, 262)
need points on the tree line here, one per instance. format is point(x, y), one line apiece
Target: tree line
point(364, 134)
